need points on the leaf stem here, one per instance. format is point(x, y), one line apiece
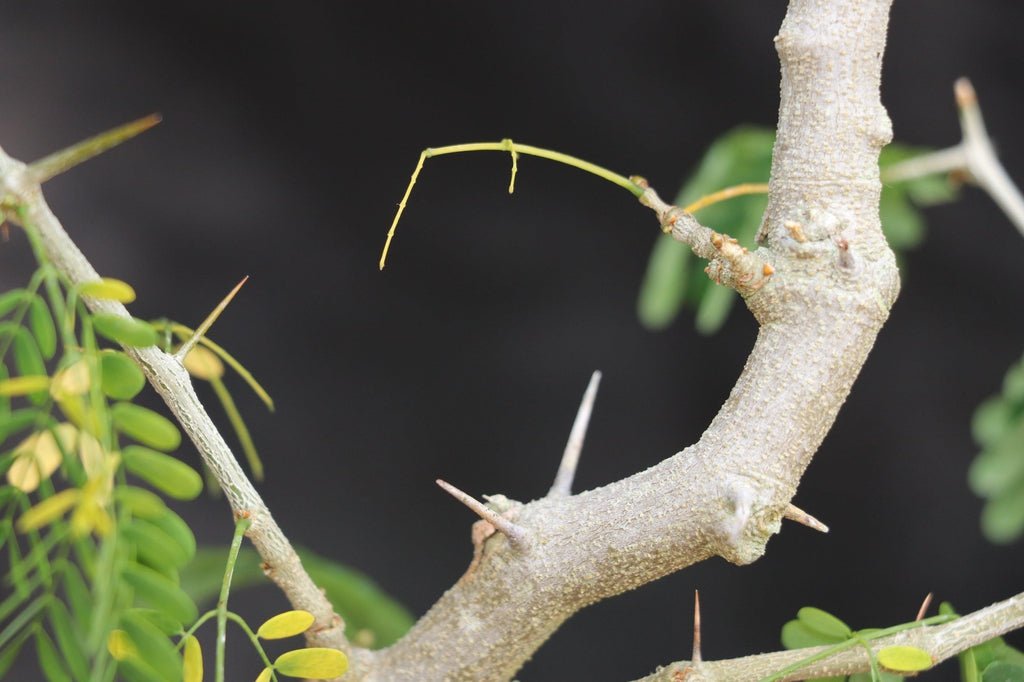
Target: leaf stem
point(225, 587)
point(515, 149)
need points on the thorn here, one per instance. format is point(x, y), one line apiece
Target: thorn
point(208, 322)
point(964, 93)
point(924, 607)
point(794, 513)
point(65, 159)
point(695, 657)
point(511, 530)
point(571, 457)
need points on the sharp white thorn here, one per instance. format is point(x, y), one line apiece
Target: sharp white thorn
point(571, 457)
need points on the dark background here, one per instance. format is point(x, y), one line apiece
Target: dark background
point(290, 131)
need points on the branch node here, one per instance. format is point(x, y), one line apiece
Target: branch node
point(515, 534)
point(794, 513)
point(571, 456)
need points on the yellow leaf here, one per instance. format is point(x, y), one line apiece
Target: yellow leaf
point(905, 659)
point(92, 454)
point(24, 385)
point(287, 624)
point(110, 289)
point(48, 510)
point(315, 663)
point(265, 675)
point(192, 663)
point(39, 455)
point(70, 381)
point(204, 364)
point(120, 645)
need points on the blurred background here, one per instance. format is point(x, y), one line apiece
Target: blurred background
point(289, 133)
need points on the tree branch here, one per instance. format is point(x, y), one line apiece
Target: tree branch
point(941, 641)
point(20, 188)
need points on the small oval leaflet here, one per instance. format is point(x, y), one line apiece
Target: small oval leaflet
point(109, 289)
point(824, 622)
point(24, 385)
point(287, 624)
point(49, 510)
point(905, 659)
point(146, 426)
point(315, 663)
point(41, 322)
point(1003, 671)
point(159, 592)
point(130, 331)
point(192, 663)
point(165, 473)
point(264, 675)
point(119, 645)
point(121, 379)
point(203, 364)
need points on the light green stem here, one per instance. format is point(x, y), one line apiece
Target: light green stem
point(635, 187)
point(225, 588)
point(254, 638)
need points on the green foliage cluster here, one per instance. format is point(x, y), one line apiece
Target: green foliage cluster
point(103, 576)
point(992, 661)
point(997, 473)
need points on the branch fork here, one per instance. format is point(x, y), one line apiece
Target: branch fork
point(729, 264)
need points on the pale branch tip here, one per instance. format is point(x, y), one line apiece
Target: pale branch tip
point(794, 513)
point(695, 656)
point(201, 330)
point(921, 612)
point(571, 456)
point(975, 155)
point(730, 264)
point(514, 533)
point(60, 161)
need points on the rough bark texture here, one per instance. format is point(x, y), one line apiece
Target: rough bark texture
point(819, 316)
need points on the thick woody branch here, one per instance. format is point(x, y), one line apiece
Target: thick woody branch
point(941, 641)
point(19, 187)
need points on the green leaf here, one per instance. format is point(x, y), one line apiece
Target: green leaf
point(157, 591)
point(129, 331)
point(28, 361)
point(78, 597)
point(998, 469)
point(121, 378)
point(901, 221)
point(161, 620)
point(796, 635)
point(905, 659)
point(11, 300)
point(41, 323)
point(152, 646)
point(49, 659)
point(928, 190)
point(1013, 384)
point(714, 309)
point(176, 528)
point(109, 289)
point(991, 420)
point(140, 502)
point(134, 669)
point(146, 426)
point(824, 623)
point(68, 642)
point(165, 473)
point(265, 675)
point(1002, 519)
point(17, 420)
point(287, 624)
point(10, 653)
point(664, 286)
point(154, 547)
point(315, 663)
point(1001, 671)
